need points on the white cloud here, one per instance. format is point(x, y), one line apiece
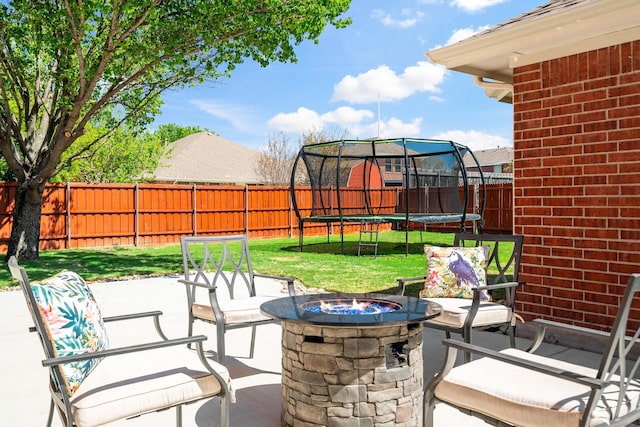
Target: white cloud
point(239, 116)
point(464, 33)
point(388, 21)
point(396, 128)
point(300, 121)
point(473, 139)
point(359, 123)
point(475, 5)
point(384, 83)
point(305, 119)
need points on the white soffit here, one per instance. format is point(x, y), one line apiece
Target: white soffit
point(561, 32)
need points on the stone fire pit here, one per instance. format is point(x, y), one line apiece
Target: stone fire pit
point(351, 360)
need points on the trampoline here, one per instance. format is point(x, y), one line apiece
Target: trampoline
point(402, 181)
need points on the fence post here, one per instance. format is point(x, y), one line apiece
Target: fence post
point(246, 209)
point(68, 207)
point(136, 216)
point(194, 210)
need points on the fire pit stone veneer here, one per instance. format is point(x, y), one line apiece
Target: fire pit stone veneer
point(349, 370)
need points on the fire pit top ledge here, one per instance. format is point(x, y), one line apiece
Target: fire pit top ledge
point(410, 310)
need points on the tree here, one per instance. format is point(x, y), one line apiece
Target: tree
point(125, 156)
point(276, 160)
point(67, 64)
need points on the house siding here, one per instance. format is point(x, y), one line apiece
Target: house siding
point(577, 183)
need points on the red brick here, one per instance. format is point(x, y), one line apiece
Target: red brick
point(599, 147)
point(594, 158)
point(626, 64)
point(600, 126)
point(591, 85)
point(586, 138)
point(599, 104)
point(557, 100)
point(569, 212)
point(553, 221)
point(614, 60)
point(535, 134)
point(629, 78)
point(619, 91)
point(624, 135)
point(591, 116)
point(616, 113)
point(566, 130)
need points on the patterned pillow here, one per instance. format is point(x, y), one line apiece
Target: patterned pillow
point(453, 272)
point(73, 322)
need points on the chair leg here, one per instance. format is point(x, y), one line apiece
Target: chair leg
point(190, 333)
point(466, 334)
point(253, 341)
point(179, 416)
point(52, 408)
point(427, 408)
point(511, 330)
point(220, 357)
point(224, 411)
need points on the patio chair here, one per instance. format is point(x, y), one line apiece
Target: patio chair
point(520, 388)
point(221, 265)
point(488, 303)
point(92, 384)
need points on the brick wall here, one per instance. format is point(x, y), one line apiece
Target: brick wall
point(577, 183)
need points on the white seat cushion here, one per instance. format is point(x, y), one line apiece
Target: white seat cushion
point(520, 396)
point(132, 384)
point(455, 312)
point(239, 310)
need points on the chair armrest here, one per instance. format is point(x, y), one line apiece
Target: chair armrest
point(123, 350)
point(130, 316)
point(199, 284)
point(575, 377)
point(543, 325)
point(402, 282)
point(505, 285)
point(290, 281)
point(475, 302)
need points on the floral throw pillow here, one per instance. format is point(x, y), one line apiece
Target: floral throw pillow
point(73, 322)
point(453, 272)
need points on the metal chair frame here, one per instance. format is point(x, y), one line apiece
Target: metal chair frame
point(618, 366)
point(232, 268)
point(60, 398)
point(500, 281)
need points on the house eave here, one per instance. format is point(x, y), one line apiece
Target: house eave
point(579, 28)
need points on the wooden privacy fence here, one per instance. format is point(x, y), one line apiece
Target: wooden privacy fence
point(76, 215)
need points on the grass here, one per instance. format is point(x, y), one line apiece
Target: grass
point(321, 264)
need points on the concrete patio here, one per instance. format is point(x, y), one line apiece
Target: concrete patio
point(25, 398)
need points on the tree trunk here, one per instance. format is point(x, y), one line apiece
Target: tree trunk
point(25, 231)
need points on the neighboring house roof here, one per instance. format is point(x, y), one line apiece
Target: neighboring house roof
point(556, 29)
point(490, 157)
point(207, 158)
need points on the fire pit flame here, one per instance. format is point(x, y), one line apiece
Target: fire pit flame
point(353, 307)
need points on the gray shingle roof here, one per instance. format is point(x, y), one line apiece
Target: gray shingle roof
point(547, 9)
point(207, 158)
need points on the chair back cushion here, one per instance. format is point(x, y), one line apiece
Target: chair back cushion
point(453, 272)
point(72, 322)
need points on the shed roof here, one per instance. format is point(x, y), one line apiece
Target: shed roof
point(490, 157)
point(207, 158)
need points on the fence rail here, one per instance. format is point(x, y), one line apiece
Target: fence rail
point(77, 215)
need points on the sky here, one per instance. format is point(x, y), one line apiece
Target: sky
point(371, 79)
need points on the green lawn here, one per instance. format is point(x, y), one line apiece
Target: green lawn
point(319, 265)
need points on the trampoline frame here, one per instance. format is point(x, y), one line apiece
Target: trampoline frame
point(405, 217)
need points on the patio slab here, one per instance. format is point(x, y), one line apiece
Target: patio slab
point(25, 400)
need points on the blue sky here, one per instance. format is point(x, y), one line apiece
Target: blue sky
point(337, 83)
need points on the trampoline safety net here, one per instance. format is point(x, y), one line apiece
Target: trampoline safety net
point(354, 181)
